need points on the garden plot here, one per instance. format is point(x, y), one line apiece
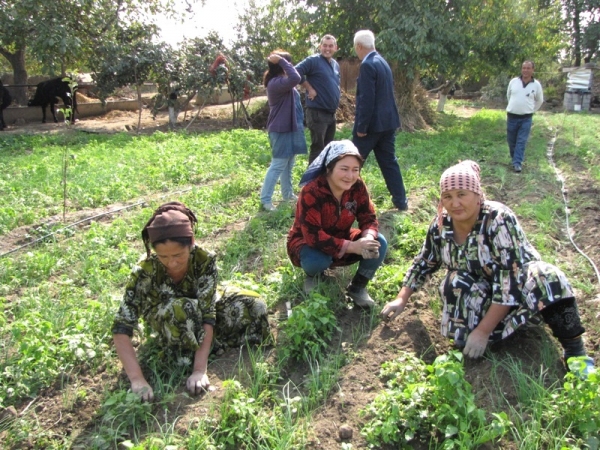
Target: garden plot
point(62, 385)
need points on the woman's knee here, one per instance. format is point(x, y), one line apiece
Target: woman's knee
point(458, 282)
point(383, 245)
point(313, 261)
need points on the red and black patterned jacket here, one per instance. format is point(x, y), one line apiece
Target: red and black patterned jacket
point(325, 224)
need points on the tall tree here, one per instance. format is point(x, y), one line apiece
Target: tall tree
point(583, 24)
point(130, 59)
point(438, 38)
point(61, 33)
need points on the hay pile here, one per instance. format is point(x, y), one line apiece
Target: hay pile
point(82, 98)
point(346, 109)
point(344, 114)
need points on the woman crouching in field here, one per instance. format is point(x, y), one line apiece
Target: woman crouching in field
point(333, 197)
point(495, 280)
point(174, 290)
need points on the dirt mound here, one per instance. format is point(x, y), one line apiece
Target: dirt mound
point(259, 117)
point(346, 109)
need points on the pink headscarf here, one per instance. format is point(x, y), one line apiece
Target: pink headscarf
point(464, 175)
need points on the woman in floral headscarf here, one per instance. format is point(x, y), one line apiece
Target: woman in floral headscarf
point(496, 281)
point(333, 196)
point(174, 290)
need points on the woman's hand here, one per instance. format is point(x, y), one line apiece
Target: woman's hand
point(141, 387)
point(476, 344)
point(197, 383)
point(366, 246)
point(478, 338)
point(395, 307)
point(274, 58)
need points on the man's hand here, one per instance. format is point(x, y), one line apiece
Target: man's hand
point(395, 307)
point(361, 134)
point(476, 344)
point(197, 382)
point(143, 389)
point(311, 93)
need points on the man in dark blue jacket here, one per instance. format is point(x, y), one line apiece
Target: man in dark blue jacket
point(321, 79)
point(377, 118)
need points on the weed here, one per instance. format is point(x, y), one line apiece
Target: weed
point(424, 402)
point(123, 413)
point(309, 329)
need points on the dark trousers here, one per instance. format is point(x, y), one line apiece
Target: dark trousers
point(322, 130)
point(383, 145)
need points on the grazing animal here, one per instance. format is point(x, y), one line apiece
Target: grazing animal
point(5, 101)
point(46, 94)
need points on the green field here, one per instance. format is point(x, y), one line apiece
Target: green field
point(61, 384)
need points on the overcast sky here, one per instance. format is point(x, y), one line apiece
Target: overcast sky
point(218, 15)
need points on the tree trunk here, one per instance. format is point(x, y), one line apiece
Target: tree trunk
point(408, 106)
point(576, 32)
point(17, 61)
point(441, 102)
point(138, 88)
point(446, 88)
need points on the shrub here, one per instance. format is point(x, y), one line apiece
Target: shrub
point(309, 328)
point(429, 400)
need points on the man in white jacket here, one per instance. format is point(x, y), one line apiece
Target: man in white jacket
point(525, 96)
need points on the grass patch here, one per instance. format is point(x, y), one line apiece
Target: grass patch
point(57, 298)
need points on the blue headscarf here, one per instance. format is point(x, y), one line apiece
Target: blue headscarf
point(334, 150)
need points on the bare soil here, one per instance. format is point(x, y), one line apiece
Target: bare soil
point(417, 331)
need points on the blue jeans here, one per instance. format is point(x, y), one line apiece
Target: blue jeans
point(517, 133)
point(314, 261)
point(383, 145)
point(280, 168)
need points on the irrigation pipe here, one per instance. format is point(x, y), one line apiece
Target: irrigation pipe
point(561, 179)
point(87, 219)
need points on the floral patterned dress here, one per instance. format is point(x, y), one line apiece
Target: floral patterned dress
point(176, 312)
point(496, 264)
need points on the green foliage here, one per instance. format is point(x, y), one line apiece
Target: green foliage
point(577, 405)
point(122, 413)
point(129, 59)
point(57, 298)
point(429, 401)
point(452, 40)
point(263, 28)
point(309, 329)
point(64, 36)
point(548, 413)
point(186, 71)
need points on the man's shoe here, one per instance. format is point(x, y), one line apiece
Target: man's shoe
point(582, 366)
point(517, 168)
point(268, 207)
point(360, 297)
point(292, 199)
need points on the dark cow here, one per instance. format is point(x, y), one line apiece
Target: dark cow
point(5, 101)
point(46, 94)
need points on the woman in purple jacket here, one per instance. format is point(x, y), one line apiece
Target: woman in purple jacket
point(286, 132)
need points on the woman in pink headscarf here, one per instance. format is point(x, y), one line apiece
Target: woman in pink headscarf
point(496, 281)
